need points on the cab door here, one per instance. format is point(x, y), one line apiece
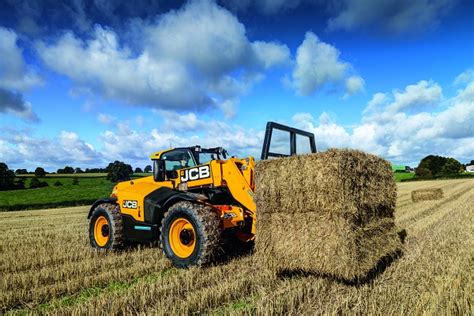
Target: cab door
point(177, 159)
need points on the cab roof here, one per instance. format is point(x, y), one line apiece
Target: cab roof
point(194, 149)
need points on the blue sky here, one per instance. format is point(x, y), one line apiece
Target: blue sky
point(83, 83)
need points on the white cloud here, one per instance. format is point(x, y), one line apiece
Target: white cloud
point(397, 128)
point(23, 149)
point(174, 121)
point(191, 58)
point(318, 64)
point(139, 145)
point(458, 120)
point(271, 54)
point(464, 77)
point(327, 133)
point(13, 102)
point(420, 94)
point(105, 118)
point(15, 78)
point(395, 132)
point(14, 74)
point(377, 100)
point(354, 84)
point(424, 95)
point(140, 120)
point(229, 108)
point(267, 7)
point(394, 16)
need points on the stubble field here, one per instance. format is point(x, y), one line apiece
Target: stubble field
point(47, 266)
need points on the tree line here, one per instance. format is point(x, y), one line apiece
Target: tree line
point(429, 167)
point(116, 171)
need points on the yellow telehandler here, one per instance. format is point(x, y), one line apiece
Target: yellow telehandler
point(195, 198)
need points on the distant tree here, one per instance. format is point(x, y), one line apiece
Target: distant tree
point(7, 177)
point(471, 163)
point(118, 171)
point(95, 170)
point(20, 183)
point(423, 172)
point(148, 168)
point(138, 170)
point(452, 166)
point(39, 172)
point(37, 183)
point(78, 170)
point(21, 171)
point(60, 171)
point(75, 181)
point(68, 170)
point(34, 183)
point(431, 166)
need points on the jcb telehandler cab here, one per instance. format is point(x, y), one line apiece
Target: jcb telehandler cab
point(194, 199)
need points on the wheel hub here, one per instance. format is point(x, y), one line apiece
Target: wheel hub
point(101, 231)
point(105, 230)
point(182, 237)
point(186, 236)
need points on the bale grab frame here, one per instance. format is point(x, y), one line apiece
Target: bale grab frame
point(293, 132)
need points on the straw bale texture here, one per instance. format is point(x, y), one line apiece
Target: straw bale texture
point(330, 212)
point(426, 194)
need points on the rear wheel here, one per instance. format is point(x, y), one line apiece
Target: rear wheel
point(190, 234)
point(106, 227)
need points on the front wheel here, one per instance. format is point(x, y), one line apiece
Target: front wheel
point(106, 227)
point(190, 234)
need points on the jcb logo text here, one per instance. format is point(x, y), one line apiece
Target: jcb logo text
point(130, 204)
point(195, 173)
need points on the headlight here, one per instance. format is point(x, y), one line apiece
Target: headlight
point(114, 192)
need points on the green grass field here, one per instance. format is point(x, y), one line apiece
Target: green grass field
point(87, 191)
point(402, 176)
point(81, 175)
point(66, 175)
point(91, 187)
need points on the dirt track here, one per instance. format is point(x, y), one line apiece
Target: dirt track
point(46, 265)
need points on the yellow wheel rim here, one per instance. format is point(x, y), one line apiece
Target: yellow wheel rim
point(101, 231)
point(182, 238)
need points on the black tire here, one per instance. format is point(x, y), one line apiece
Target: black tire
point(111, 212)
point(206, 235)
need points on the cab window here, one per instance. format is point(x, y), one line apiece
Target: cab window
point(178, 159)
point(206, 157)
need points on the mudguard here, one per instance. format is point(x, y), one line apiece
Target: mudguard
point(157, 202)
point(100, 201)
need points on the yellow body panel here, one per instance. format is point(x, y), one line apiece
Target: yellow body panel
point(136, 190)
point(158, 154)
point(237, 185)
point(213, 179)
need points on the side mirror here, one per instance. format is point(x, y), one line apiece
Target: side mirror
point(159, 170)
